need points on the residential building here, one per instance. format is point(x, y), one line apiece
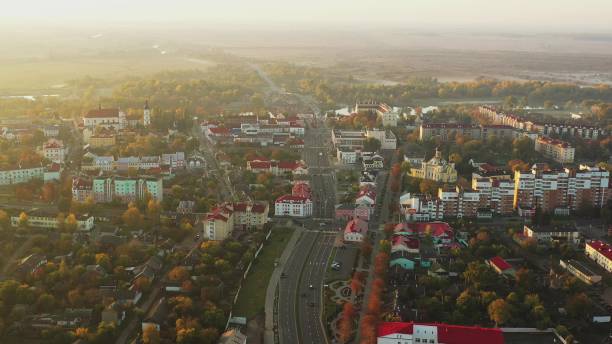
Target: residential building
point(441, 233)
point(355, 230)
point(386, 138)
point(436, 169)
point(81, 189)
point(457, 202)
point(420, 208)
point(561, 191)
point(438, 333)
point(495, 194)
point(51, 130)
point(550, 233)
point(251, 214)
point(448, 131)
point(40, 219)
point(366, 197)
point(293, 206)
point(20, 174)
point(601, 253)
point(126, 189)
point(580, 270)
point(54, 150)
point(558, 150)
point(564, 129)
point(219, 223)
point(348, 211)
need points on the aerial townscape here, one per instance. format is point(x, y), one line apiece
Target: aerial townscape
point(189, 173)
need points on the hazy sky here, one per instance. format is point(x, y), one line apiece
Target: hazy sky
point(505, 15)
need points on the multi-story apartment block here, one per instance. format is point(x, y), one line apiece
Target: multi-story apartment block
point(449, 131)
point(458, 203)
point(557, 150)
point(20, 174)
point(219, 223)
point(521, 123)
point(249, 214)
point(125, 189)
point(436, 169)
point(601, 253)
point(561, 191)
point(495, 194)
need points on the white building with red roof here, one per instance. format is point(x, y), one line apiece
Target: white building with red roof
point(355, 230)
point(367, 197)
point(251, 214)
point(277, 168)
point(601, 253)
point(293, 206)
point(412, 333)
point(107, 118)
point(54, 150)
point(219, 223)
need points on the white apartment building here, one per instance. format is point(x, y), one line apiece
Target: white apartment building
point(386, 137)
point(557, 150)
point(293, 206)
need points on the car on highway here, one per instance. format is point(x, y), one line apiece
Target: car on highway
point(336, 266)
point(311, 286)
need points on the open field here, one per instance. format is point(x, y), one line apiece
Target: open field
point(253, 293)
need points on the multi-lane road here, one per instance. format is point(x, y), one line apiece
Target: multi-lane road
point(322, 177)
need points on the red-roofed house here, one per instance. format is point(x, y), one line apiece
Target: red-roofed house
point(601, 253)
point(501, 266)
point(412, 333)
point(441, 232)
point(355, 230)
point(405, 244)
point(367, 197)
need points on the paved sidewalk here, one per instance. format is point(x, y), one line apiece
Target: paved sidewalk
point(271, 289)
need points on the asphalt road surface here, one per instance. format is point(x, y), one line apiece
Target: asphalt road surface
point(322, 177)
point(310, 301)
point(288, 289)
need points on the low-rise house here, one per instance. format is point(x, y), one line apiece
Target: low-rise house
point(355, 230)
point(548, 234)
point(366, 197)
point(501, 266)
point(113, 314)
point(41, 219)
point(601, 253)
point(441, 233)
point(580, 270)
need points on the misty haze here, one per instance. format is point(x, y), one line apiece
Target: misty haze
point(316, 172)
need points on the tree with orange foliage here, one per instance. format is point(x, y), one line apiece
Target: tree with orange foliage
point(178, 274)
point(347, 322)
point(366, 249)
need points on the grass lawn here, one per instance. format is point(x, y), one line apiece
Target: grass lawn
point(253, 293)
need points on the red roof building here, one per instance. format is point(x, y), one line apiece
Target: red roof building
point(394, 332)
point(501, 266)
point(601, 253)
